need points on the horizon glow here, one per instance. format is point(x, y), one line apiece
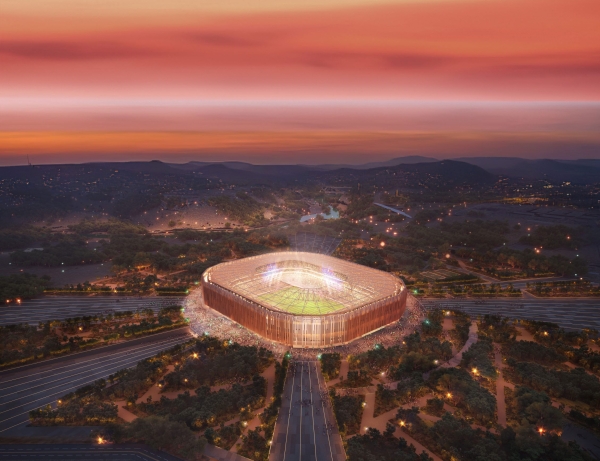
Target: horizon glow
point(335, 81)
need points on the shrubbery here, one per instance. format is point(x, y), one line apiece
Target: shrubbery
point(22, 286)
point(218, 362)
point(348, 412)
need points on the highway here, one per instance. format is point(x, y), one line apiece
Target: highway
point(305, 428)
point(32, 386)
point(124, 452)
point(576, 313)
point(47, 308)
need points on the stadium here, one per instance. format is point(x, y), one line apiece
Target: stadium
point(304, 300)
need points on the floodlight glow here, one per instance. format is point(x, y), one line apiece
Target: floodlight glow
point(304, 299)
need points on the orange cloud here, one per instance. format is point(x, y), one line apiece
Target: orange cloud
point(479, 50)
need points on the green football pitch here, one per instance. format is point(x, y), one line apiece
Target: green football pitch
point(295, 301)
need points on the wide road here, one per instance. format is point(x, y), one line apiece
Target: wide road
point(32, 386)
point(47, 308)
point(568, 313)
point(305, 428)
point(124, 452)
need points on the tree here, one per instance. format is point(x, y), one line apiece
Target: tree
point(162, 434)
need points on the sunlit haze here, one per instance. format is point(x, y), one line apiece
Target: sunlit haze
point(298, 82)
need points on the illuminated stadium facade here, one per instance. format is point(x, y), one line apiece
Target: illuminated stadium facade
point(304, 300)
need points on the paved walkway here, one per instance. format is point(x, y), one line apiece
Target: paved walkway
point(417, 445)
point(123, 413)
point(380, 422)
point(473, 338)
point(154, 390)
point(343, 373)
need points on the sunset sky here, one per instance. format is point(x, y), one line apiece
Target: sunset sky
point(298, 81)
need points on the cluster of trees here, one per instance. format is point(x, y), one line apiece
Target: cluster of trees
point(375, 360)
point(433, 326)
point(575, 385)
point(417, 353)
point(88, 404)
point(434, 406)
point(242, 208)
point(530, 408)
point(348, 410)
point(330, 365)
point(22, 286)
point(24, 343)
point(585, 358)
point(129, 383)
point(530, 351)
point(553, 237)
point(333, 228)
point(15, 238)
point(570, 288)
point(551, 334)
point(224, 436)
point(475, 401)
point(86, 411)
point(134, 250)
point(479, 357)
point(411, 387)
point(480, 290)
point(454, 439)
point(462, 325)
point(209, 409)
point(160, 433)
point(112, 226)
point(508, 263)
point(382, 447)
point(166, 320)
point(215, 362)
point(255, 444)
point(420, 355)
point(70, 251)
point(136, 203)
point(362, 206)
point(499, 329)
point(478, 234)
point(356, 378)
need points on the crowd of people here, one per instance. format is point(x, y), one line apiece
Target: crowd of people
point(204, 320)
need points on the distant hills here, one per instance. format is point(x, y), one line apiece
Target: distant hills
point(471, 170)
point(576, 171)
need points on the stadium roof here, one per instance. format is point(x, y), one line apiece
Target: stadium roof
point(304, 283)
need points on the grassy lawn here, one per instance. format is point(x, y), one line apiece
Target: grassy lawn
point(292, 300)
